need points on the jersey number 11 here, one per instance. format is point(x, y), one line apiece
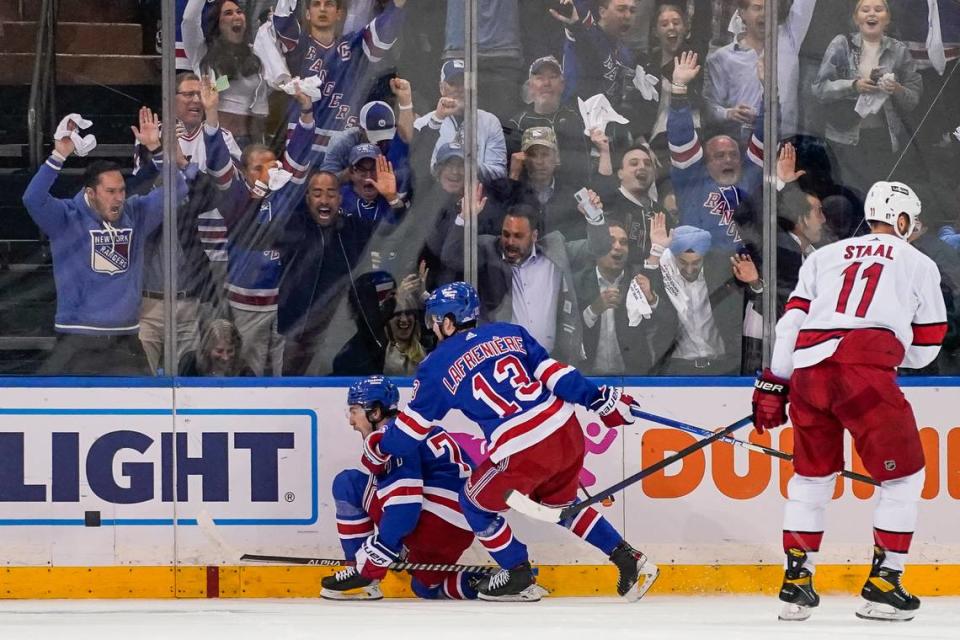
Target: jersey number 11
point(871, 274)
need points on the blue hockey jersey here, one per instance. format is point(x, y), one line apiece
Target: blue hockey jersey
point(703, 202)
point(428, 478)
point(499, 377)
point(255, 226)
point(342, 67)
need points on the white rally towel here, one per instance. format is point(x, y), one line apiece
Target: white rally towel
point(638, 308)
point(310, 86)
point(278, 177)
point(646, 84)
point(870, 103)
point(935, 50)
point(597, 112)
point(267, 48)
point(671, 282)
point(83, 144)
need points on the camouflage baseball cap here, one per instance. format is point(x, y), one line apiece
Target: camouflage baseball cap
point(543, 136)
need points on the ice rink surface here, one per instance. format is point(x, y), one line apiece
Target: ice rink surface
point(668, 617)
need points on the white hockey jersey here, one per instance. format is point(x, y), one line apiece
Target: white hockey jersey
point(876, 281)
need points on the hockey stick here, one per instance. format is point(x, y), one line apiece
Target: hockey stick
point(750, 446)
point(396, 566)
point(528, 507)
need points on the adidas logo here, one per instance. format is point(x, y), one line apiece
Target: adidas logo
point(471, 335)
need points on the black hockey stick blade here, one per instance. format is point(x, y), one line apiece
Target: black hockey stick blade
point(396, 566)
point(525, 505)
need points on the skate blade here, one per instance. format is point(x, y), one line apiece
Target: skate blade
point(649, 573)
point(884, 612)
point(371, 592)
point(533, 593)
point(794, 612)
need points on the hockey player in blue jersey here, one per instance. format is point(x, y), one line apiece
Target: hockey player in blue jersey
point(313, 48)
point(522, 399)
point(412, 501)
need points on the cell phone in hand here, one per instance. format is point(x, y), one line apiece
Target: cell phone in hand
point(876, 74)
point(583, 198)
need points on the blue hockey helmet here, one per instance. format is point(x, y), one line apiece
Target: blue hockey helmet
point(367, 392)
point(458, 299)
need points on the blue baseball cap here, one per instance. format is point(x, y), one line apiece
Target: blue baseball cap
point(364, 150)
point(378, 120)
point(447, 151)
point(452, 72)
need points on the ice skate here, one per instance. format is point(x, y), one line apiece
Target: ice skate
point(633, 565)
point(347, 584)
point(797, 592)
point(886, 599)
point(510, 585)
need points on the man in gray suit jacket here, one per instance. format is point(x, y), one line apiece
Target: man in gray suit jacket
point(528, 279)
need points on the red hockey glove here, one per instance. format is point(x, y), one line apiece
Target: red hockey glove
point(374, 558)
point(613, 407)
point(372, 460)
point(769, 401)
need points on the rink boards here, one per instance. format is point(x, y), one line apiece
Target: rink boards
point(101, 486)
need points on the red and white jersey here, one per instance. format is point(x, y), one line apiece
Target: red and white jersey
point(876, 281)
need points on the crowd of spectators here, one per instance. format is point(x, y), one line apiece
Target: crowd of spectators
point(619, 158)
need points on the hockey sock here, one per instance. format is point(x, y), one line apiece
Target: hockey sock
point(494, 533)
point(354, 524)
point(895, 518)
point(803, 517)
point(595, 529)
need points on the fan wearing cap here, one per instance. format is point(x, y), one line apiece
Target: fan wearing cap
point(379, 125)
point(708, 289)
point(534, 182)
point(371, 192)
point(543, 91)
point(444, 125)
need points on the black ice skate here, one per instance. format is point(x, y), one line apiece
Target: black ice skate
point(347, 584)
point(510, 585)
point(886, 599)
point(797, 591)
point(632, 564)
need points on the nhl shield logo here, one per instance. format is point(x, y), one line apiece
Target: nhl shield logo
point(110, 250)
point(890, 465)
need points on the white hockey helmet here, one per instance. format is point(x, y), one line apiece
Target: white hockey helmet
point(887, 201)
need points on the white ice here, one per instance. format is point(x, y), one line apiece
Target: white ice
point(669, 617)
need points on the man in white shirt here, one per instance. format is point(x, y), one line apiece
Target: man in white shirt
point(709, 299)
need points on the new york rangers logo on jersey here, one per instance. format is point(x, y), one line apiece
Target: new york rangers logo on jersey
point(110, 250)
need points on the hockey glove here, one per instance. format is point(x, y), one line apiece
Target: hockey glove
point(372, 460)
point(769, 401)
point(374, 559)
point(613, 407)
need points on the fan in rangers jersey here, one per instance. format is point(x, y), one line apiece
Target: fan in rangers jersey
point(522, 400)
point(862, 307)
point(313, 48)
point(411, 501)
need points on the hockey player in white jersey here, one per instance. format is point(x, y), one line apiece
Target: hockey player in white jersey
point(862, 307)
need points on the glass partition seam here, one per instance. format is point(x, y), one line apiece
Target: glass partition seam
point(771, 136)
point(471, 161)
point(169, 139)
